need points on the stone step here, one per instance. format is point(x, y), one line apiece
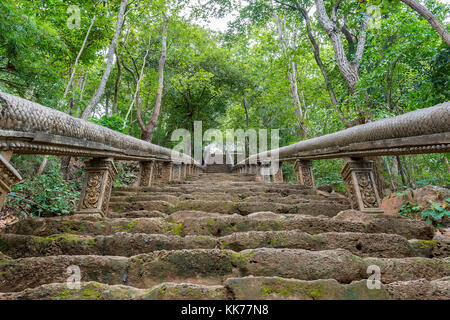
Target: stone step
point(226, 225)
point(99, 291)
point(213, 266)
point(130, 244)
point(276, 288)
point(313, 208)
point(144, 197)
point(200, 223)
point(283, 189)
point(245, 288)
point(138, 214)
point(221, 196)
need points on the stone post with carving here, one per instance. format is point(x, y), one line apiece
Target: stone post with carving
point(183, 171)
point(259, 176)
point(8, 176)
point(362, 190)
point(98, 182)
point(278, 174)
point(176, 172)
point(266, 172)
point(166, 171)
point(146, 173)
point(303, 170)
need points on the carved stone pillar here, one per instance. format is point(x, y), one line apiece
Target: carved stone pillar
point(183, 171)
point(278, 175)
point(157, 171)
point(305, 176)
point(176, 172)
point(8, 176)
point(166, 171)
point(98, 181)
point(266, 172)
point(361, 187)
point(146, 174)
point(259, 176)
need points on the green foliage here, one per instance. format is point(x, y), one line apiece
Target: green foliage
point(328, 173)
point(411, 210)
point(113, 121)
point(437, 214)
point(125, 175)
point(45, 196)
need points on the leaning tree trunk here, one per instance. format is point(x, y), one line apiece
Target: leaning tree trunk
point(434, 22)
point(292, 76)
point(317, 57)
point(117, 84)
point(69, 84)
point(147, 134)
point(348, 69)
point(109, 63)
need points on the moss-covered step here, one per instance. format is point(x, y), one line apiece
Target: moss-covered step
point(213, 266)
point(129, 244)
point(100, 291)
point(276, 288)
point(226, 225)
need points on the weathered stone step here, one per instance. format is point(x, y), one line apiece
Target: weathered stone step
point(156, 205)
point(99, 291)
point(221, 196)
point(283, 189)
point(246, 288)
point(213, 266)
point(144, 197)
point(226, 225)
point(262, 288)
point(314, 208)
point(130, 244)
point(138, 214)
point(201, 223)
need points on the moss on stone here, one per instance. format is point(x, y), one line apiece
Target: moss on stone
point(177, 229)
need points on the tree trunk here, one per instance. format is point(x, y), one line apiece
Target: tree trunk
point(292, 76)
point(42, 167)
point(117, 84)
point(244, 103)
point(408, 172)
point(434, 22)
point(401, 171)
point(348, 69)
point(391, 179)
point(65, 167)
point(148, 132)
point(101, 88)
point(69, 84)
point(446, 164)
point(317, 57)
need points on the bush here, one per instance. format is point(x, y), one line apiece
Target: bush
point(44, 196)
point(437, 214)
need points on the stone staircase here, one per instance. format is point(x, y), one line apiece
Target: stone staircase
point(223, 236)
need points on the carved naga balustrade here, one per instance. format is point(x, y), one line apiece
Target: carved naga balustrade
point(30, 128)
point(418, 132)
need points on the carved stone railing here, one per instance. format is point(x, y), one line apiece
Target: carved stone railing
point(418, 132)
point(30, 128)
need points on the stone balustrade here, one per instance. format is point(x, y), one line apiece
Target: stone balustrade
point(30, 128)
point(418, 132)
